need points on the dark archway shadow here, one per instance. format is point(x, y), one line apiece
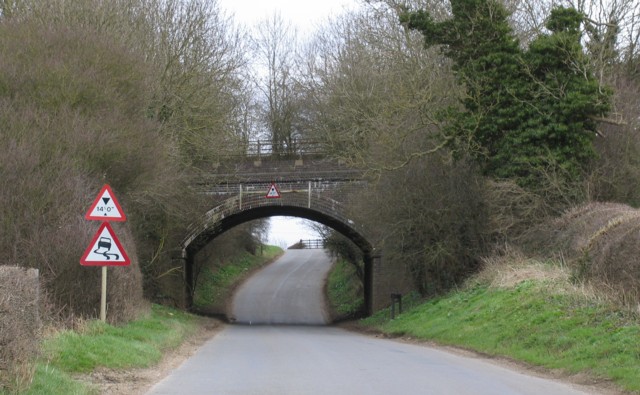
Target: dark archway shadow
point(229, 221)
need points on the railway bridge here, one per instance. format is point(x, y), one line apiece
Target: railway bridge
point(305, 185)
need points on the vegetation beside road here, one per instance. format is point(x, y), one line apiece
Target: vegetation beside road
point(137, 344)
point(532, 312)
point(344, 290)
point(140, 343)
point(216, 286)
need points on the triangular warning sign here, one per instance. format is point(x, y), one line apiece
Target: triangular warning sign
point(106, 207)
point(105, 249)
point(273, 193)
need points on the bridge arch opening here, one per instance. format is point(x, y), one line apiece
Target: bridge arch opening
point(209, 231)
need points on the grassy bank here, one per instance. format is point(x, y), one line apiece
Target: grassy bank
point(537, 316)
point(344, 290)
point(214, 287)
point(140, 343)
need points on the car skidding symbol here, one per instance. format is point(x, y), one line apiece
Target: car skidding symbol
point(104, 246)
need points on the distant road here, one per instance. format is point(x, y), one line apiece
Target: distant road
point(309, 360)
point(289, 291)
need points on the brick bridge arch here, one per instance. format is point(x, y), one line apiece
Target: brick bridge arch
point(250, 203)
point(310, 187)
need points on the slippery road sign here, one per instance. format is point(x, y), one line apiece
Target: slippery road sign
point(105, 249)
point(106, 207)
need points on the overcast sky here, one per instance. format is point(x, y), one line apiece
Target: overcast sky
point(305, 15)
point(287, 231)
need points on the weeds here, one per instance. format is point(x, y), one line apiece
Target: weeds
point(95, 344)
point(344, 290)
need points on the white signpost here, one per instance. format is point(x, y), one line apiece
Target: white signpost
point(105, 248)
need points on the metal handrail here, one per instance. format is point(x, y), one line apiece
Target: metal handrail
point(312, 244)
point(264, 148)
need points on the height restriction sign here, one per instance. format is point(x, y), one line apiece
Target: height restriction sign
point(106, 207)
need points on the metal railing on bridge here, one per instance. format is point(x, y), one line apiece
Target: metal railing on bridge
point(311, 244)
point(265, 148)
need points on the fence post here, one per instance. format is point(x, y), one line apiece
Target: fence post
point(393, 308)
point(396, 297)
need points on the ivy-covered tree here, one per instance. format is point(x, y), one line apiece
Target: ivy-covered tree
point(527, 113)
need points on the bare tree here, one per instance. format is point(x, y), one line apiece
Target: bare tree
point(199, 55)
point(135, 93)
point(275, 45)
point(374, 90)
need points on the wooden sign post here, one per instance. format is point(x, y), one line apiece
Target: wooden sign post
point(105, 248)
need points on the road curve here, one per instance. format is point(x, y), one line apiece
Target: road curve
point(289, 291)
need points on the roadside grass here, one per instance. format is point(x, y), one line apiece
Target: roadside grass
point(344, 290)
point(543, 322)
point(216, 287)
point(137, 344)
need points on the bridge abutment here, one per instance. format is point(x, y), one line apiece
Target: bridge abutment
point(386, 280)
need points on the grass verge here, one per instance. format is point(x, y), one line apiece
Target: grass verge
point(344, 290)
point(546, 323)
point(140, 343)
point(215, 287)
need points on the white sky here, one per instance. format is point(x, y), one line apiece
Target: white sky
point(305, 16)
point(286, 231)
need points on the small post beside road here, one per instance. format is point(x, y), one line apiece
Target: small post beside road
point(396, 297)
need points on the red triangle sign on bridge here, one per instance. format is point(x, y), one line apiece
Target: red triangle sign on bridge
point(273, 193)
point(106, 207)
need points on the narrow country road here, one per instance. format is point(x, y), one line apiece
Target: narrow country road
point(305, 359)
point(289, 291)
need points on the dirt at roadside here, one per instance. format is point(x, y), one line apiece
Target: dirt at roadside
point(139, 381)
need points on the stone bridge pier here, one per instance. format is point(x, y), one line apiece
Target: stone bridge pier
point(313, 190)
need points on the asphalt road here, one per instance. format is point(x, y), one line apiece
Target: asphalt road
point(306, 359)
point(289, 291)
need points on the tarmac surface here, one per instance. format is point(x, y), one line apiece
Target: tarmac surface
point(280, 346)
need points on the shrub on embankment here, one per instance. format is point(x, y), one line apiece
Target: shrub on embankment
point(600, 242)
point(71, 110)
point(19, 324)
point(91, 93)
point(74, 108)
point(574, 308)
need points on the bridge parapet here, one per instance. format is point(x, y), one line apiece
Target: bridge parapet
point(324, 197)
point(298, 148)
point(249, 170)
